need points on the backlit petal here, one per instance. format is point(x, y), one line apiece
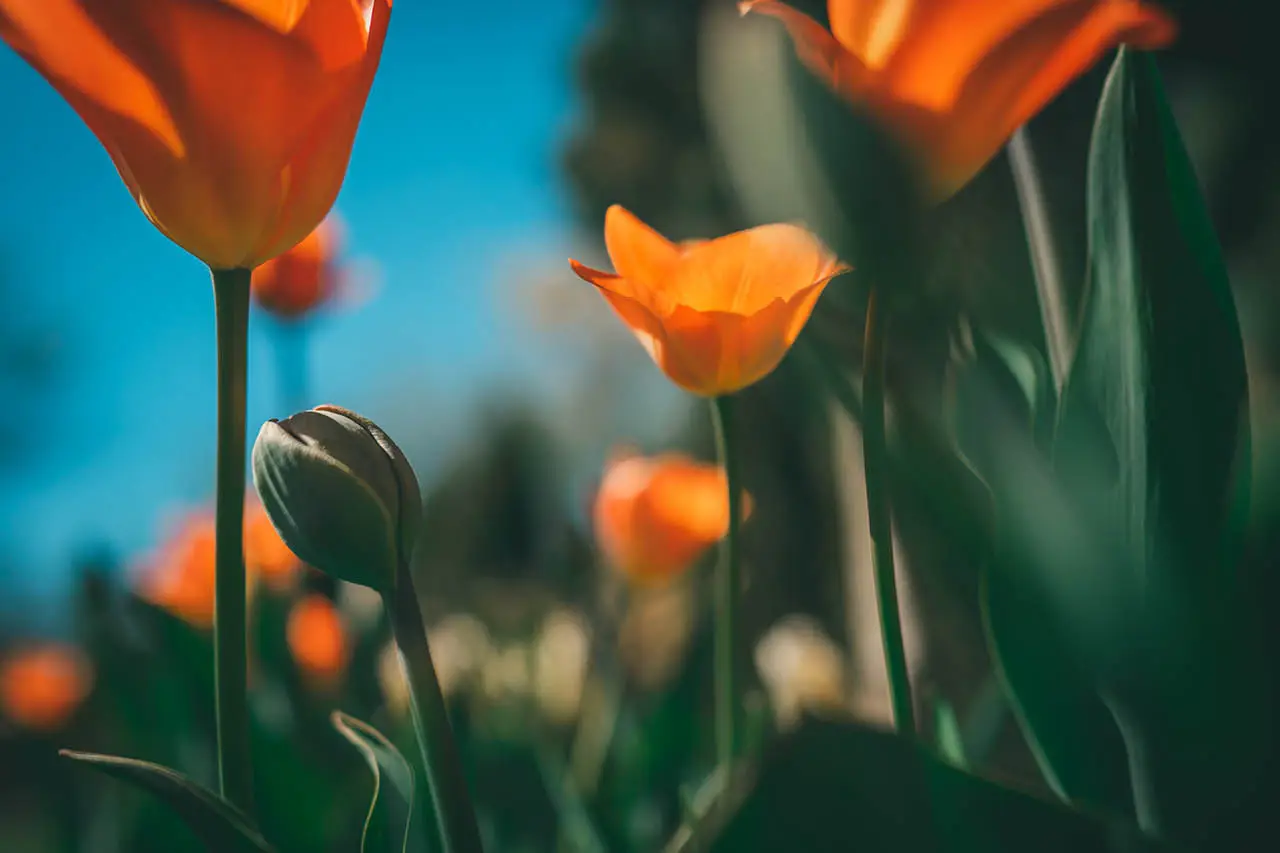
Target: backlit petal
point(1018, 79)
point(639, 254)
point(743, 272)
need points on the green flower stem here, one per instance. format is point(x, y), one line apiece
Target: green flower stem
point(876, 454)
point(442, 763)
point(1050, 289)
point(235, 768)
point(728, 705)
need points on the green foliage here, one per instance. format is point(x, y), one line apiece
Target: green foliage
point(839, 786)
point(395, 809)
point(221, 826)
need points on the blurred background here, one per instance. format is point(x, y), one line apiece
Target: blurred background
point(490, 148)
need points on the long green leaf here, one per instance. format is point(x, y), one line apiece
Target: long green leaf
point(384, 760)
point(1002, 411)
point(1153, 440)
point(841, 786)
point(219, 825)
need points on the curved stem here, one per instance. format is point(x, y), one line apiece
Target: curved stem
point(879, 518)
point(442, 763)
point(235, 769)
point(728, 707)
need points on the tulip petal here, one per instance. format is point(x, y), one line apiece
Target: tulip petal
point(816, 47)
point(325, 151)
point(644, 324)
point(639, 254)
point(85, 64)
point(1022, 75)
point(925, 50)
point(746, 271)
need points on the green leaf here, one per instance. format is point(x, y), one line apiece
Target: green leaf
point(1154, 444)
point(1155, 407)
point(1002, 404)
point(384, 760)
point(842, 786)
point(219, 825)
point(946, 727)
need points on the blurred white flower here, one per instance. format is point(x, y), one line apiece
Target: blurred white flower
point(561, 657)
point(802, 669)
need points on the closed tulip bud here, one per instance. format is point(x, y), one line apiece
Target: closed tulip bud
point(341, 494)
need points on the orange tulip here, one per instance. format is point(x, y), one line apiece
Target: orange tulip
point(318, 640)
point(297, 282)
point(716, 315)
point(655, 516)
point(265, 553)
point(41, 687)
point(180, 575)
point(955, 78)
point(231, 121)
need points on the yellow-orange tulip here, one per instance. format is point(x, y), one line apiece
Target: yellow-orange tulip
point(42, 686)
point(955, 78)
point(317, 638)
point(293, 284)
point(231, 121)
point(716, 315)
point(654, 516)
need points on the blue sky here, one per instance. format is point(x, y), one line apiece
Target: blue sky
point(455, 167)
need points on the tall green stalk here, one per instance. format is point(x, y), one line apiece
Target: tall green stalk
point(1050, 289)
point(235, 768)
point(728, 704)
point(442, 763)
point(879, 517)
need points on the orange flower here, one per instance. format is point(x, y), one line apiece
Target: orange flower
point(293, 284)
point(231, 121)
point(41, 687)
point(265, 553)
point(318, 640)
point(655, 516)
point(955, 78)
point(716, 315)
point(180, 575)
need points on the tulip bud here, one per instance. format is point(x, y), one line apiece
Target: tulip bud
point(341, 494)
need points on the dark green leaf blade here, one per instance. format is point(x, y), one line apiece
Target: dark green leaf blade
point(219, 825)
point(385, 763)
point(842, 786)
point(1002, 408)
point(1160, 365)
point(1153, 443)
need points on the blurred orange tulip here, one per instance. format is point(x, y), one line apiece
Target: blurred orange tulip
point(231, 121)
point(654, 516)
point(716, 315)
point(302, 279)
point(265, 553)
point(180, 575)
point(318, 640)
point(955, 78)
point(41, 687)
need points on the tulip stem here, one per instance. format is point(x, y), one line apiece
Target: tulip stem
point(1050, 290)
point(235, 769)
point(728, 708)
point(442, 763)
point(879, 515)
